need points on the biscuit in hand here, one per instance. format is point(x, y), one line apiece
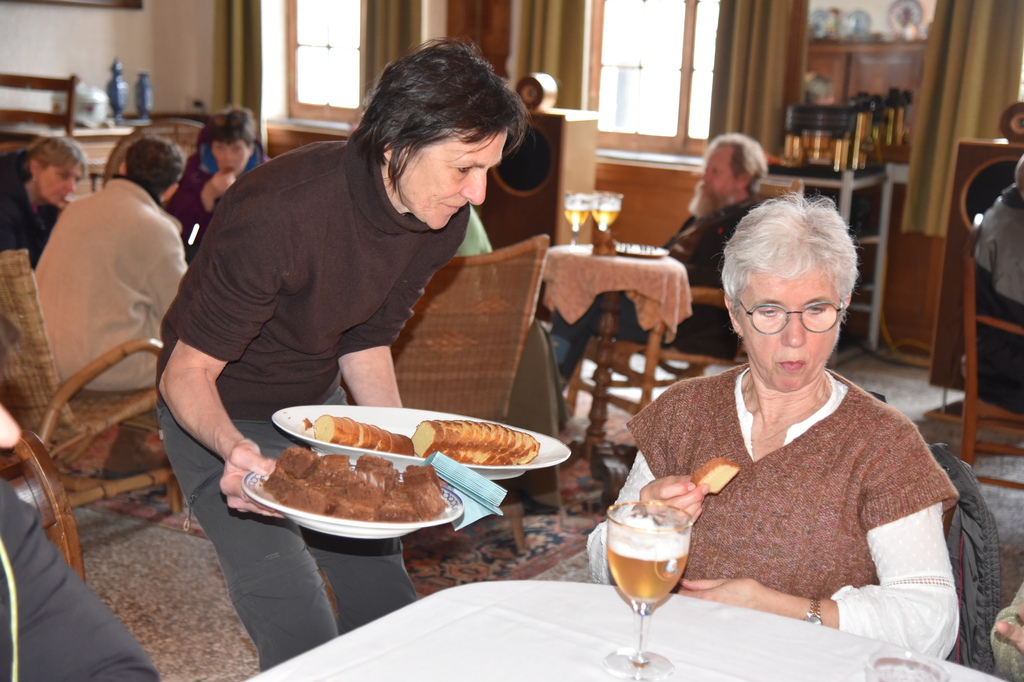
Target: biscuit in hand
point(716, 473)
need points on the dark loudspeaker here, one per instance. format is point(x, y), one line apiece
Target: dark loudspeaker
point(525, 192)
point(983, 169)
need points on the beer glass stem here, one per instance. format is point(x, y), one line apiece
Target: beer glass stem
point(641, 626)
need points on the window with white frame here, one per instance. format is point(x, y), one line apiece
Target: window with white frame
point(325, 52)
point(652, 68)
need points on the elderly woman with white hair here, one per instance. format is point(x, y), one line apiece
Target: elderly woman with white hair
point(835, 515)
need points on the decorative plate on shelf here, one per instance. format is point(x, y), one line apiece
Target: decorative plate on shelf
point(905, 14)
point(818, 21)
point(857, 24)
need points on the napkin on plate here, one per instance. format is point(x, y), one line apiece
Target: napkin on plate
point(480, 496)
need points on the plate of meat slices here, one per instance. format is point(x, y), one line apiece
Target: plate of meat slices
point(405, 436)
point(366, 498)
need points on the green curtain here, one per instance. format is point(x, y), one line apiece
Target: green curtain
point(749, 95)
point(393, 27)
point(971, 74)
point(237, 55)
point(554, 40)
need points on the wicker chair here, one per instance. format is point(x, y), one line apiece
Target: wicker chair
point(34, 477)
point(183, 132)
point(460, 350)
point(65, 416)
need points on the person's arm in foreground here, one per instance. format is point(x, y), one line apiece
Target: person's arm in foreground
point(189, 388)
point(64, 631)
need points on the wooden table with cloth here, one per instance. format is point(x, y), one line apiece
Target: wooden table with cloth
point(659, 288)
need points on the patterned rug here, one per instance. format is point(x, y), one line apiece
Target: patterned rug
point(438, 557)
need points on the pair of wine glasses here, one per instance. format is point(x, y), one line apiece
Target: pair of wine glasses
point(604, 206)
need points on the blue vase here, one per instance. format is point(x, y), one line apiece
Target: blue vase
point(143, 95)
point(117, 90)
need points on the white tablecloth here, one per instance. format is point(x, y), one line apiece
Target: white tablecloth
point(560, 631)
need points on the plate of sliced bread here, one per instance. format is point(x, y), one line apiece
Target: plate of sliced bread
point(406, 436)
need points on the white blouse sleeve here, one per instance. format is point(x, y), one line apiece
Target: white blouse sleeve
point(915, 603)
point(639, 476)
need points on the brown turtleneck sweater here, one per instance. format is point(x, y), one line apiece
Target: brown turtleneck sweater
point(306, 260)
point(797, 519)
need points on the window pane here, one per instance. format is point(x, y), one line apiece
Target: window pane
point(311, 29)
point(312, 75)
point(619, 95)
point(344, 78)
point(343, 23)
point(707, 32)
point(623, 36)
point(700, 105)
point(662, 31)
point(659, 102)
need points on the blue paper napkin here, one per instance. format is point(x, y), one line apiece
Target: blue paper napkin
point(480, 496)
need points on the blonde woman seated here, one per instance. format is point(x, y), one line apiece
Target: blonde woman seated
point(835, 516)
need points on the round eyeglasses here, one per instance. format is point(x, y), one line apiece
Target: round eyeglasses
point(818, 318)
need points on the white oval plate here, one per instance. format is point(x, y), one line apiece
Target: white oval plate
point(253, 484)
point(404, 421)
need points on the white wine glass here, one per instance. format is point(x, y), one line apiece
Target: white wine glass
point(577, 209)
point(607, 206)
point(648, 545)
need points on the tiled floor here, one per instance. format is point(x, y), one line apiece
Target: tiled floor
point(167, 587)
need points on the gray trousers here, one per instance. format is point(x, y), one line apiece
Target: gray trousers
point(271, 565)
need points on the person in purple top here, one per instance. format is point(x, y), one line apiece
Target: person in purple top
point(228, 147)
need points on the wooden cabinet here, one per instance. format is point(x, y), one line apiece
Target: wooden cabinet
point(871, 67)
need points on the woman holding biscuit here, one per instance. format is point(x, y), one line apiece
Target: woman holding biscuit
point(835, 513)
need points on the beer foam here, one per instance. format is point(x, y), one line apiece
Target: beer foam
point(648, 546)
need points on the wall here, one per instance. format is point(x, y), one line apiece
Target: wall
point(172, 39)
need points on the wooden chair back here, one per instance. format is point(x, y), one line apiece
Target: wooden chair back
point(34, 477)
point(43, 115)
point(673, 364)
point(977, 414)
point(460, 350)
point(183, 132)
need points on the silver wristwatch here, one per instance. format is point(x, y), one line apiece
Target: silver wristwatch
point(814, 614)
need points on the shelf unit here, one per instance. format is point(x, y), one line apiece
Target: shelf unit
point(848, 182)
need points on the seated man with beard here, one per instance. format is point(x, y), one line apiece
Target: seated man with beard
point(733, 165)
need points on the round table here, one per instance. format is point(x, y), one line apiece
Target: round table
point(659, 288)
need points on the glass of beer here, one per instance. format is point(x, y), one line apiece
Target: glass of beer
point(606, 209)
point(648, 545)
point(577, 209)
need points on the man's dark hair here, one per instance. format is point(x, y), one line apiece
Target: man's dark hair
point(155, 163)
point(232, 124)
point(444, 89)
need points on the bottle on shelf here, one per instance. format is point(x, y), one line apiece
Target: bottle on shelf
point(117, 90)
point(143, 96)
